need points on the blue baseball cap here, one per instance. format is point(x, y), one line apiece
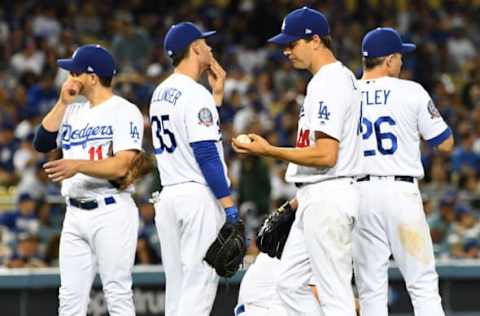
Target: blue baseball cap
point(180, 35)
point(301, 23)
point(384, 41)
point(25, 196)
point(470, 243)
point(462, 208)
point(90, 59)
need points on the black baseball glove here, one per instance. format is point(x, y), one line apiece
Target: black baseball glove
point(226, 253)
point(274, 232)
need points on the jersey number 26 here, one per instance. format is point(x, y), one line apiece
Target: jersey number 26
point(161, 132)
point(386, 142)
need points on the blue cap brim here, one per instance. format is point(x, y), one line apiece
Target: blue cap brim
point(283, 39)
point(407, 48)
point(69, 64)
point(208, 34)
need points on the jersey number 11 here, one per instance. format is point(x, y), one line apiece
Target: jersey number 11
point(98, 151)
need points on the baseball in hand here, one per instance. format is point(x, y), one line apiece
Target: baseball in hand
point(243, 139)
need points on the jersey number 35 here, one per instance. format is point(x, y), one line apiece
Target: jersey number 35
point(165, 139)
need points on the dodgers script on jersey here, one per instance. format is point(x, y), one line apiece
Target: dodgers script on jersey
point(335, 111)
point(182, 112)
point(91, 133)
point(394, 113)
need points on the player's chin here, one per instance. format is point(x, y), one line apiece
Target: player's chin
point(297, 64)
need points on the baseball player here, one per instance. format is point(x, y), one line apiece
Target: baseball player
point(101, 221)
point(323, 164)
point(396, 113)
point(195, 200)
point(258, 295)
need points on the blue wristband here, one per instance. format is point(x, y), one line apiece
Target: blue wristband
point(232, 214)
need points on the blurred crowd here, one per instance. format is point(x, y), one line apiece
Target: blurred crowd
point(262, 95)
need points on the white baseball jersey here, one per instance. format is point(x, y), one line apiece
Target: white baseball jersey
point(89, 132)
point(331, 106)
point(182, 112)
point(108, 232)
point(395, 113)
point(391, 221)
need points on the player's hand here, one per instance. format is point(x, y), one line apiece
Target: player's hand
point(59, 170)
point(70, 90)
point(259, 146)
point(216, 80)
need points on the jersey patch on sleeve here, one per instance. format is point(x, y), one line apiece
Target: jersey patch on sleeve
point(323, 112)
point(205, 117)
point(432, 109)
point(134, 132)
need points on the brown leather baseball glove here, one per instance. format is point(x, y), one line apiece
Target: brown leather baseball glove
point(141, 165)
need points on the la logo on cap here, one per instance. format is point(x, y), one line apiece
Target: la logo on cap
point(283, 24)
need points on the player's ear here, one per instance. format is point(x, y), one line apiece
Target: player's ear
point(317, 41)
point(195, 48)
point(93, 78)
point(389, 60)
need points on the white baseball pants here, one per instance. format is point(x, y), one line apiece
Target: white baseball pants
point(188, 219)
point(320, 243)
point(258, 293)
point(260, 310)
point(105, 239)
point(392, 221)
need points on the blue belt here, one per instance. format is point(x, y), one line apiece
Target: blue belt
point(89, 205)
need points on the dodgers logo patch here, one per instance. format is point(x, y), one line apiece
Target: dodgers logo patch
point(432, 109)
point(323, 111)
point(302, 111)
point(134, 132)
point(205, 117)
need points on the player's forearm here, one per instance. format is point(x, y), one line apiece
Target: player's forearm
point(211, 167)
point(52, 121)
point(111, 168)
point(305, 156)
point(226, 201)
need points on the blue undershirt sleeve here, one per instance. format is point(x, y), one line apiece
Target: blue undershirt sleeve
point(434, 142)
point(208, 159)
point(44, 141)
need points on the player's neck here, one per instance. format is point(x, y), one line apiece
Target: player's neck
point(374, 73)
point(189, 69)
point(323, 58)
point(98, 96)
